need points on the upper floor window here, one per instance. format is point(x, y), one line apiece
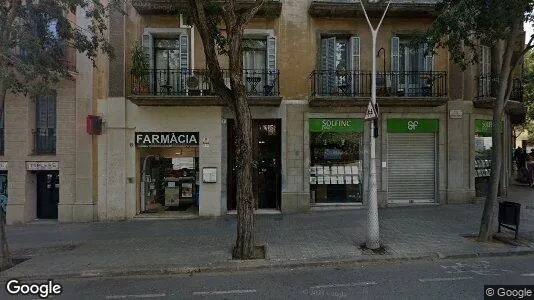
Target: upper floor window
point(45, 131)
point(340, 64)
point(168, 56)
point(411, 66)
point(259, 65)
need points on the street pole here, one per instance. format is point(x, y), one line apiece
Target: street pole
point(373, 232)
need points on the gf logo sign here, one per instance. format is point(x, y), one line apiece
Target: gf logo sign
point(412, 125)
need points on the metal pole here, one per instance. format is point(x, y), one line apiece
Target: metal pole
point(373, 234)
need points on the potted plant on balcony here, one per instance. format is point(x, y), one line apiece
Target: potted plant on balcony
point(139, 70)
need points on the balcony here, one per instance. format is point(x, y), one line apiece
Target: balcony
point(44, 141)
point(353, 8)
point(193, 87)
point(353, 88)
point(487, 90)
point(270, 9)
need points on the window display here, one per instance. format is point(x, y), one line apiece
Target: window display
point(483, 146)
point(336, 165)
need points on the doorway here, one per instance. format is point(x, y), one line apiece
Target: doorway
point(47, 194)
point(266, 177)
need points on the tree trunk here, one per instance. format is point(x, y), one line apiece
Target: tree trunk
point(488, 218)
point(5, 255)
point(5, 260)
point(244, 246)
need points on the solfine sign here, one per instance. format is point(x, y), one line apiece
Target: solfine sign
point(166, 139)
point(42, 165)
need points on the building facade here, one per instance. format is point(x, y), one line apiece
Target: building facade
point(167, 143)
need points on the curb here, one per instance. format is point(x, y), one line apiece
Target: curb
point(242, 266)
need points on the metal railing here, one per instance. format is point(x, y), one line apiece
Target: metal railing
point(388, 84)
point(196, 82)
point(44, 141)
point(488, 87)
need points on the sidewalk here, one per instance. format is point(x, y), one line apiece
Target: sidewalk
point(182, 246)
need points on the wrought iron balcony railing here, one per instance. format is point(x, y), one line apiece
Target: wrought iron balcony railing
point(44, 141)
point(488, 87)
point(388, 84)
point(189, 82)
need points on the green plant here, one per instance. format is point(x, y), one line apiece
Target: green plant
point(139, 62)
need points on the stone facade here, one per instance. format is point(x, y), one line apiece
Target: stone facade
point(100, 176)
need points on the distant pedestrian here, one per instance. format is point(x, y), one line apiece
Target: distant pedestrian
point(530, 168)
point(520, 157)
point(532, 154)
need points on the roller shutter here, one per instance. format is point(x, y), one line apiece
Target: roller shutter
point(411, 168)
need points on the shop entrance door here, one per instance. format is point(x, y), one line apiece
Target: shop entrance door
point(267, 174)
point(47, 194)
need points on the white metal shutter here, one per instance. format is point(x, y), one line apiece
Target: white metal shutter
point(411, 167)
point(354, 58)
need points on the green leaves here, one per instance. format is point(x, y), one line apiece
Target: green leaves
point(463, 25)
point(38, 48)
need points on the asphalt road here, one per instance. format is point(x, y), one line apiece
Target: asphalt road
point(443, 279)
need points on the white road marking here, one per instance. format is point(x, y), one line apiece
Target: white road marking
point(135, 296)
point(343, 285)
point(444, 279)
point(223, 292)
point(528, 274)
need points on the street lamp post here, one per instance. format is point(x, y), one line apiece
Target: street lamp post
point(373, 236)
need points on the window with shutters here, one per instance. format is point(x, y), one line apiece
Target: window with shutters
point(485, 71)
point(259, 65)
point(45, 131)
point(339, 65)
point(411, 66)
point(168, 57)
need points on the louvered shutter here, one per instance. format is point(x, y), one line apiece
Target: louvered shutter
point(148, 49)
point(395, 62)
point(51, 112)
point(429, 59)
point(354, 59)
point(42, 112)
point(184, 51)
point(271, 61)
point(328, 65)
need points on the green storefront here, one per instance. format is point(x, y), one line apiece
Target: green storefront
point(336, 160)
point(483, 146)
point(412, 160)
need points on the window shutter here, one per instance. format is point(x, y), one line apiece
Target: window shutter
point(355, 63)
point(395, 60)
point(42, 112)
point(328, 65)
point(184, 51)
point(148, 48)
point(271, 53)
point(429, 59)
point(51, 111)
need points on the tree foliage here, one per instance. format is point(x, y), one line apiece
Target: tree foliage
point(462, 26)
point(36, 35)
point(528, 94)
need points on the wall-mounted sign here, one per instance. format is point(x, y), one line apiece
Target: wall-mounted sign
point(42, 165)
point(209, 175)
point(483, 128)
point(455, 113)
point(413, 125)
point(336, 125)
point(166, 139)
point(3, 165)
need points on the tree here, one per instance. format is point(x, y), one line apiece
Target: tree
point(34, 39)
point(462, 26)
point(208, 16)
point(528, 95)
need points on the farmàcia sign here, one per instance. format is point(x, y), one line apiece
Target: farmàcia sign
point(166, 139)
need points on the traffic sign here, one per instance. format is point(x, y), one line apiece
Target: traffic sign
point(371, 113)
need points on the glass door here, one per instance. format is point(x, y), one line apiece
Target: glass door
point(167, 67)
